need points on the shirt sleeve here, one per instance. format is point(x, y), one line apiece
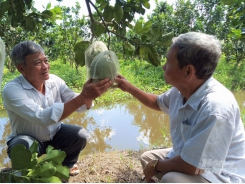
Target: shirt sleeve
point(67, 94)
point(163, 101)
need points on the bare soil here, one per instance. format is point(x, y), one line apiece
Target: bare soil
point(110, 167)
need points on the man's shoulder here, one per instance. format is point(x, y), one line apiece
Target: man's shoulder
point(53, 77)
point(15, 81)
point(14, 85)
point(54, 80)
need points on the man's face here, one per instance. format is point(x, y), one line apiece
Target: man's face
point(172, 73)
point(36, 69)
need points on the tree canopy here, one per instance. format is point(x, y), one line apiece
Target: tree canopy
point(115, 24)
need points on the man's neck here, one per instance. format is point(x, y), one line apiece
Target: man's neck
point(190, 89)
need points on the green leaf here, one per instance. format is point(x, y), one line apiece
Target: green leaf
point(57, 13)
point(149, 54)
point(48, 6)
point(146, 27)
point(98, 29)
point(55, 156)
point(35, 171)
point(128, 16)
point(101, 1)
point(108, 13)
point(79, 50)
point(62, 172)
point(121, 31)
point(28, 23)
point(1, 33)
point(148, 24)
point(103, 5)
point(147, 5)
point(117, 12)
point(47, 14)
point(20, 157)
point(166, 40)
point(128, 46)
point(47, 170)
point(138, 27)
point(34, 147)
point(52, 179)
point(19, 7)
point(227, 2)
point(28, 3)
point(129, 25)
point(14, 21)
point(5, 6)
point(49, 149)
point(34, 159)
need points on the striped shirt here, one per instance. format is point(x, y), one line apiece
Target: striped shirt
point(32, 113)
point(207, 131)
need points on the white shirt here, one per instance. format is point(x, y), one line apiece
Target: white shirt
point(207, 131)
point(32, 113)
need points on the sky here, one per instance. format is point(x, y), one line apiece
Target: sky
point(69, 3)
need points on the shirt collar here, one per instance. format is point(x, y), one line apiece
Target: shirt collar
point(27, 85)
point(201, 92)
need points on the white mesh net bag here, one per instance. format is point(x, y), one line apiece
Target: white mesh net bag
point(104, 65)
point(94, 49)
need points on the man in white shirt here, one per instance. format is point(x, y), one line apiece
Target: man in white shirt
point(205, 125)
point(37, 102)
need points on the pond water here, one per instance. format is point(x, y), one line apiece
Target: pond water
point(125, 125)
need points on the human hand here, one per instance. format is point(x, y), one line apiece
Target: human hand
point(93, 90)
point(149, 172)
point(122, 82)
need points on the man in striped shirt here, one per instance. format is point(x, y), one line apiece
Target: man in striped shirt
point(37, 102)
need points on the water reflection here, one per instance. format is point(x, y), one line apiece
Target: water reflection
point(127, 125)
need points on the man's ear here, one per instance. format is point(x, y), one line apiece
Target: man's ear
point(20, 68)
point(190, 71)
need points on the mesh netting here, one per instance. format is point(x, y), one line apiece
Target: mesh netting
point(94, 49)
point(104, 65)
point(100, 62)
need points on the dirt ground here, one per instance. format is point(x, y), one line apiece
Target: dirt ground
point(110, 167)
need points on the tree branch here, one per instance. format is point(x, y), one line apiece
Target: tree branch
point(105, 24)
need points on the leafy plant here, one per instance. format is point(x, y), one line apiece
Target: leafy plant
point(28, 168)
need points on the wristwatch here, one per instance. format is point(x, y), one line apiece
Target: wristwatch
point(154, 163)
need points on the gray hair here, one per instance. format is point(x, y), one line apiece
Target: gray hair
point(201, 50)
point(23, 49)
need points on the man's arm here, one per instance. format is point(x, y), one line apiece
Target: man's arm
point(90, 91)
point(175, 164)
point(149, 100)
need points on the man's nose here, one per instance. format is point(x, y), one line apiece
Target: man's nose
point(44, 64)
